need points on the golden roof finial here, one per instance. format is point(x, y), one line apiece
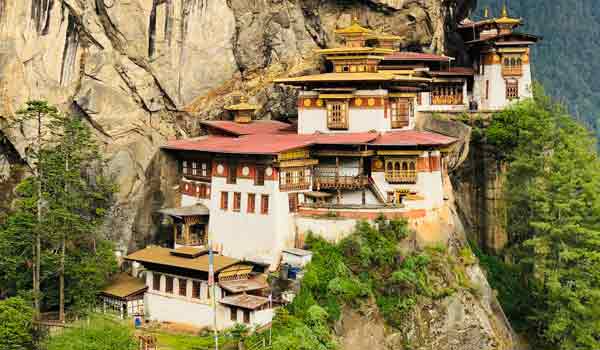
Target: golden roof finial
point(504, 10)
point(486, 12)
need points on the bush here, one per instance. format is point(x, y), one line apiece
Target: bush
point(100, 334)
point(16, 328)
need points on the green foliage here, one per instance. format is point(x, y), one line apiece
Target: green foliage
point(16, 330)
point(75, 196)
point(553, 200)
point(99, 334)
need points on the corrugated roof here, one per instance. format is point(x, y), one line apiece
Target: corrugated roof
point(163, 256)
point(254, 127)
point(248, 285)
point(413, 138)
point(355, 138)
point(416, 56)
point(527, 39)
point(245, 301)
point(124, 285)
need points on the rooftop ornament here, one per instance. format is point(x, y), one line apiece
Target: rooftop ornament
point(242, 111)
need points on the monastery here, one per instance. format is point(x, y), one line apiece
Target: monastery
point(256, 188)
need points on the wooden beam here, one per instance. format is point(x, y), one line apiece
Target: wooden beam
point(333, 153)
point(400, 152)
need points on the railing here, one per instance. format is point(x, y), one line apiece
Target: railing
point(401, 176)
point(294, 186)
point(338, 178)
point(399, 123)
point(512, 70)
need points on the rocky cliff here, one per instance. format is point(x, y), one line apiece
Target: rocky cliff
point(143, 71)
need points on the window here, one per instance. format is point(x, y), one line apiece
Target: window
point(233, 313)
point(259, 176)
point(451, 94)
point(196, 289)
point(232, 174)
point(197, 169)
point(185, 168)
point(224, 200)
point(419, 98)
point(179, 233)
point(194, 168)
point(246, 316)
point(401, 170)
point(293, 202)
point(251, 203)
point(487, 89)
point(512, 90)
point(264, 204)
point(512, 66)
point(183, 287)
point(337, 115)
point(295, 179)
point(168, 284)
point(237, 201)
point(156, 281)
point(401, 111)
point(197, 234)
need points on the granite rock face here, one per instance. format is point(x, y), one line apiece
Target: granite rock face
point(143, 71)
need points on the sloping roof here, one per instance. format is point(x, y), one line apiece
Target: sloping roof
point(193, 210)
point(247, 285)
point(163, 256)
point(413, 138)
point(254, 127)
point(250, 144)
point(124, 285)
point(349, 77)
point(245, 301)
point(277, 143)
point(454, 71)
point(524, 38)
point(416, 56)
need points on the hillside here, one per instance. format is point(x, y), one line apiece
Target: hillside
point(564, 61)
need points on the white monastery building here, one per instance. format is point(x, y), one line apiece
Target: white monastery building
point(255, 188)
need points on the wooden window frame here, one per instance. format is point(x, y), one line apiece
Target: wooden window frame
point(512, 89)
point(251, 207)
point(400, 117)
point(447, 94)
point(233, 313)
point(197, 169)
point(156, 282)
point(196, 289)
point(182, 286)
point(169, 284)
point(512, 66)
point(259, 175)
point(237, 201)
point(295, 179)
point(293, 202)
point(224, 200)
point(337, 115)
point(401, 170)
point(487, 89)
point(246, 316)
point(264, 204)
point(232, 173)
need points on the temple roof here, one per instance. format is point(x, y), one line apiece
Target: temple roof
point(350, 77)
point(244, 285)
point(193, 210)
point(277, 143)
point(523, 39)
point(416, 56)
point(242, 106)
point(164, 256)
point(354, 29)
point(453, 72)
point(254, 127)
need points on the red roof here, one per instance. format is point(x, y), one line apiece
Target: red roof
point(249, 144)
point(277, 143)
point(454, 71)
point(254, 127)
point(416, 56)
point(413, 138)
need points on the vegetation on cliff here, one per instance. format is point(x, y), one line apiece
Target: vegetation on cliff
point(74, 200)
point(553, 202)
point(16, 327)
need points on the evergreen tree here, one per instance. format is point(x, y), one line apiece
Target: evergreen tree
point(553, 196)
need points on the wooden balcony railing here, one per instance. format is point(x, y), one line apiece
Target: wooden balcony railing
point(294, 186)
point(512, 71)
point(401, 176)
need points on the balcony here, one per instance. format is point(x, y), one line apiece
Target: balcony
point(340, 178)
point(401, 176)
point(512, 71)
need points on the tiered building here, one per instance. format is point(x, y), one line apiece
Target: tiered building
point(257, 187)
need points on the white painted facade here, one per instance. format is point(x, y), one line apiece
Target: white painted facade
point(495, 98)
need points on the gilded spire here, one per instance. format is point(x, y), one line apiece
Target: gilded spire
point(504, 10)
